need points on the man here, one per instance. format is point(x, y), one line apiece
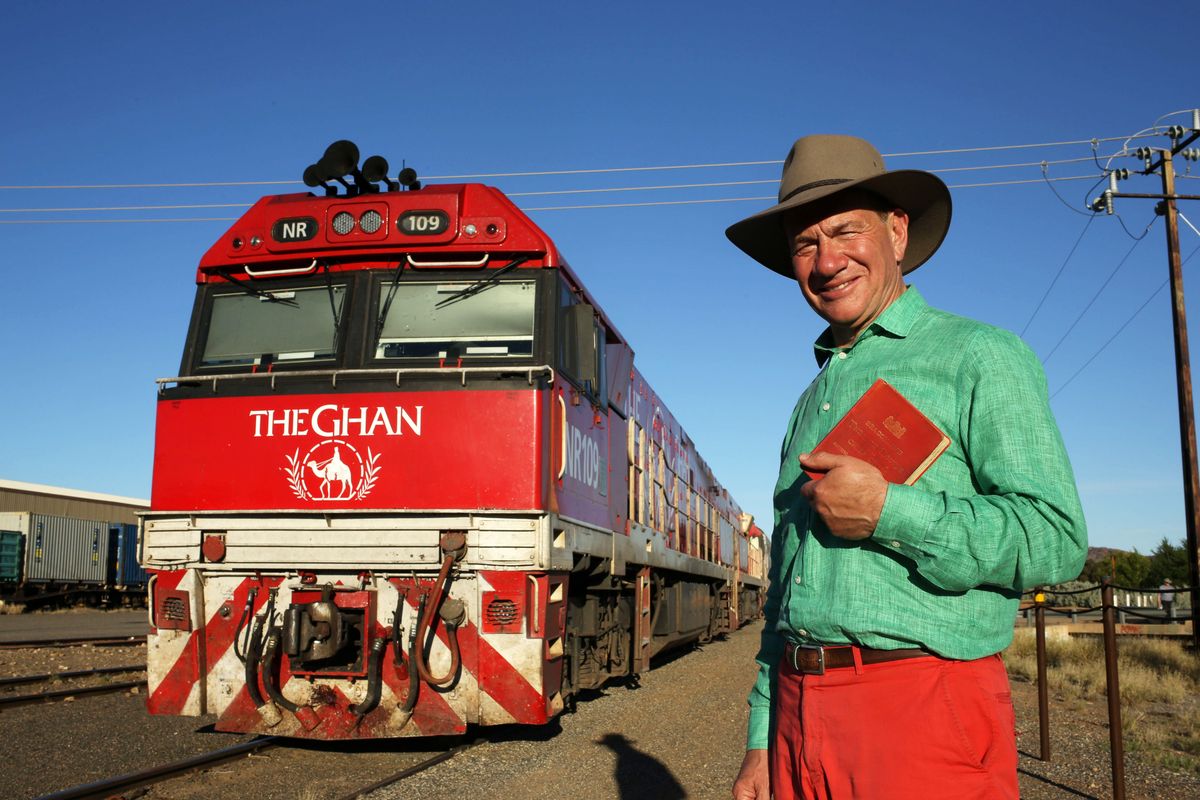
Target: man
point(879, 674)
point(1166, 598)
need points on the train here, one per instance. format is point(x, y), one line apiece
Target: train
point(409, 477)
point(49, 559)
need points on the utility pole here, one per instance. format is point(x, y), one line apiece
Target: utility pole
point(1187, 423)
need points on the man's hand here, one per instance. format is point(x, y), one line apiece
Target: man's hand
point(849, 497)
point(754, 779)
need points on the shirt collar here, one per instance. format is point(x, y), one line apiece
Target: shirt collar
point(896, 320)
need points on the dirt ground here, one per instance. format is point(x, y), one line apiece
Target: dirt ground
point(678, 735)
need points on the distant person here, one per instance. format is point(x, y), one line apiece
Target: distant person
point(879, 674)
point(1166, 598)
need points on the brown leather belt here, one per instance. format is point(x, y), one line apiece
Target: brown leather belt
point(814, 659)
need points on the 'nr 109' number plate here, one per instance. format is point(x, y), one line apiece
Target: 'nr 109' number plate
point(423, 223)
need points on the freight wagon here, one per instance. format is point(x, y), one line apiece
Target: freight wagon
point(52, 559)
point(410, 478)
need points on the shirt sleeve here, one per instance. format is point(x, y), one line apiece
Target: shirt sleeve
point(770, 649)
point(1024, 526)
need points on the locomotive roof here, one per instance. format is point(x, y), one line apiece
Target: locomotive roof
point(467, 226)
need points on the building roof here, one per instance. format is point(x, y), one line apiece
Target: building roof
point(74, 494)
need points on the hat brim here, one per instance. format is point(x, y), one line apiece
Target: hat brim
point(922, 195)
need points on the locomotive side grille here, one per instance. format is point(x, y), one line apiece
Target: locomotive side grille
point(502, 611)
point(172, 610)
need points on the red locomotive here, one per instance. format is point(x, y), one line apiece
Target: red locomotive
point(409, 477)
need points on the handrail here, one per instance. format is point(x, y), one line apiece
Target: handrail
point(562, 461)
point(422, 264)
point(334, 374)
point(275, 273)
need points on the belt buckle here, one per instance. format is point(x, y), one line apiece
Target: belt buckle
point(816, 648)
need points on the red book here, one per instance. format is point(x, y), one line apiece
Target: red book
point(886, 430)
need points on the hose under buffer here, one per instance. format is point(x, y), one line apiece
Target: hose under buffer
point(452, 612)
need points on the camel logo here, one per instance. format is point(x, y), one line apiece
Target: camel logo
point(332, 470)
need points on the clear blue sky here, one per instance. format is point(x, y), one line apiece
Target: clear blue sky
point(140, 93)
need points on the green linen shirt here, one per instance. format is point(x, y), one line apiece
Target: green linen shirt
point(997, 513)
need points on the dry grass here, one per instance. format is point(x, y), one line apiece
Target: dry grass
point(1159, 684)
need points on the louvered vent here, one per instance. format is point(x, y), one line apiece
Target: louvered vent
point(502, 612)
point(173, 609)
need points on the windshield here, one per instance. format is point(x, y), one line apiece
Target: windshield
point(435, 320)
point(293, 325)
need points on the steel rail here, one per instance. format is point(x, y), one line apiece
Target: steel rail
point(75, 673)
point(104, 641)
point(107, 787)
point(409, 771)
point(57, 694)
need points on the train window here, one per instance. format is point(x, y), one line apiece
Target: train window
point(581, 350)
point(440, 320)
point(273, 327)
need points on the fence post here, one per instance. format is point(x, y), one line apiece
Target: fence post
point(1115, 734)
point(1039, 612)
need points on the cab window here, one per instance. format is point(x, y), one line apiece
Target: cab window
point(455, 320)
point(270, 327)
point(581, 355)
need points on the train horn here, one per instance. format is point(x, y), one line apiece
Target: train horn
point(314, 176)
point(340, 160)
point(375, 169)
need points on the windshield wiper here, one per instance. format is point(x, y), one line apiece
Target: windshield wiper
point(333, 307)
point(387, 304)
point(254, 291)
point(481, 284)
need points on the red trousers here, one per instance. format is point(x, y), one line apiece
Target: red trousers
point(921, 728)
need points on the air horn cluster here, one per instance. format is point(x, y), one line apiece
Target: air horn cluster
point(341, 161)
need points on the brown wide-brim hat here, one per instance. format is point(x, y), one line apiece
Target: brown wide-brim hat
point(824, 165)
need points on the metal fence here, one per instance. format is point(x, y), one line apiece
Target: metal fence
point(1112, 615)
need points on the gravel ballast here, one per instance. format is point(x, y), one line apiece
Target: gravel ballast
point(680, 734)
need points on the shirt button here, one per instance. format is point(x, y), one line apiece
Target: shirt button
point(842, 355)
point(896, 545)
point(802, 633)
point(825, 406)
point(799, 580)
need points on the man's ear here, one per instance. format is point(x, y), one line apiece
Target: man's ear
point(898, 232)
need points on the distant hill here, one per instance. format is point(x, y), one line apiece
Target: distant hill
point(1096, 553)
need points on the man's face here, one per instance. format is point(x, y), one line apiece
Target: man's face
point(846, 258)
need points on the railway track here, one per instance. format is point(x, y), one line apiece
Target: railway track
point(106, 788)
point(148, 777)
point(105, 641)
point(13, 700)
point(75, 673)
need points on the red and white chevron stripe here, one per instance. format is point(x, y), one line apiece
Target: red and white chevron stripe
point(509, 677)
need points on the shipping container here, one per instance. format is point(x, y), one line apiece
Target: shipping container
point(128, 573)
point(63, 550)
point(10, 556)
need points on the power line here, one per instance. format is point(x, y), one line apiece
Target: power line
point(1188, 221)
point(122, 208)
point(1067, 260)
point(585, 171)
point(1012, 147)
point(1121, 329)
point(548, 193)
point(1111, 339)
point(584, 206)
point(112, 221)
point(1103, 285)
